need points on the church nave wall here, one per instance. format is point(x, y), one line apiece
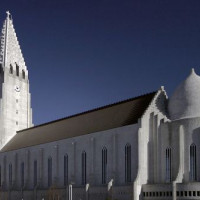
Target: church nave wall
point(120, 161)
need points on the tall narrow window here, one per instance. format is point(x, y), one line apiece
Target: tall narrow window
point(35, 173)
point(23, 74)
point(11, 69)
point(17, 70)
point(168, 158)
point(65, 170)
point(10, 174)
point(193, 163)
point(83, 168)
point(22, 174)
point(128, 163)
point(49, 171)
point(104, 165)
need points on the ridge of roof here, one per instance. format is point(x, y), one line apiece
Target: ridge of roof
point(92, 110)
point(119, 114)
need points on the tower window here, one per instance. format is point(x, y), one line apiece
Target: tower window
point(17, 70)
point(168, 157)
point(16, 111)
point(23, 74)
point(49, 171)
point(193, 164)
point(16, 100)
point(104, 165)
point(128, 163)
point(83, 168)
point(11, 69)
point(16, 122)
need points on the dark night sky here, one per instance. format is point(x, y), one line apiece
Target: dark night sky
point(85, 54)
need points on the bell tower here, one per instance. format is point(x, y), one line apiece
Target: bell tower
point(15, 98)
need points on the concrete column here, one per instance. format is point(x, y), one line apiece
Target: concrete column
point(114, 156)
point(142, 165)
point(155, 143)
point(15, 167)
point(4, 172)
point(56, 163)
point(73, 162)
point(159, 150)
point(173, 190)
point(27, 168)
point(180, 175)
point(40, 167)
point(92, 160)
point(150, 150)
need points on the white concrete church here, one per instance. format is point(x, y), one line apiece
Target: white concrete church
point(147, 147)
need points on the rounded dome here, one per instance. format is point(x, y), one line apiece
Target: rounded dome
point(185, 101)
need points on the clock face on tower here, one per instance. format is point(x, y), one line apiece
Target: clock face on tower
point(17, 88)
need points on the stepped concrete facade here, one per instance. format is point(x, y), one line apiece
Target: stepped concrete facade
point(15, 109)
point(146, 147)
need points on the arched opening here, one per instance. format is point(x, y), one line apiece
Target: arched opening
point(128, 163)
point(23, 74)
point(11, 69)
point(168, 157)
point(193, 163)
point(17, 70)
point(104, 165)
point(84, 168)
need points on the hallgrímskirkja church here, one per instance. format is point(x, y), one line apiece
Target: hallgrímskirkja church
point(146, 147)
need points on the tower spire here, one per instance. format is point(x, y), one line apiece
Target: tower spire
point(15, 99)
point(10, 51)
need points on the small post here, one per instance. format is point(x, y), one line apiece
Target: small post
point(70, 192)
point(87, 191)
point(174, 190)
point(110, 185)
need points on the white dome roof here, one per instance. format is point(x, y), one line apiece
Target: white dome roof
point(185, 101)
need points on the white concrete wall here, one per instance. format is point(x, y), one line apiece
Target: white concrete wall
point(114, 140)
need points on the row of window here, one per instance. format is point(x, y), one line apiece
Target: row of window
point(84, 167)
point(17, 71)
point(169, 193)
point(66, 167)
point(193, 163)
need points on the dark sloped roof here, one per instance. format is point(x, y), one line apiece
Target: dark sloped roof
point(111, 116)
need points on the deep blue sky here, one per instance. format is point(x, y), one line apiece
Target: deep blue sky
point(85, 54)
